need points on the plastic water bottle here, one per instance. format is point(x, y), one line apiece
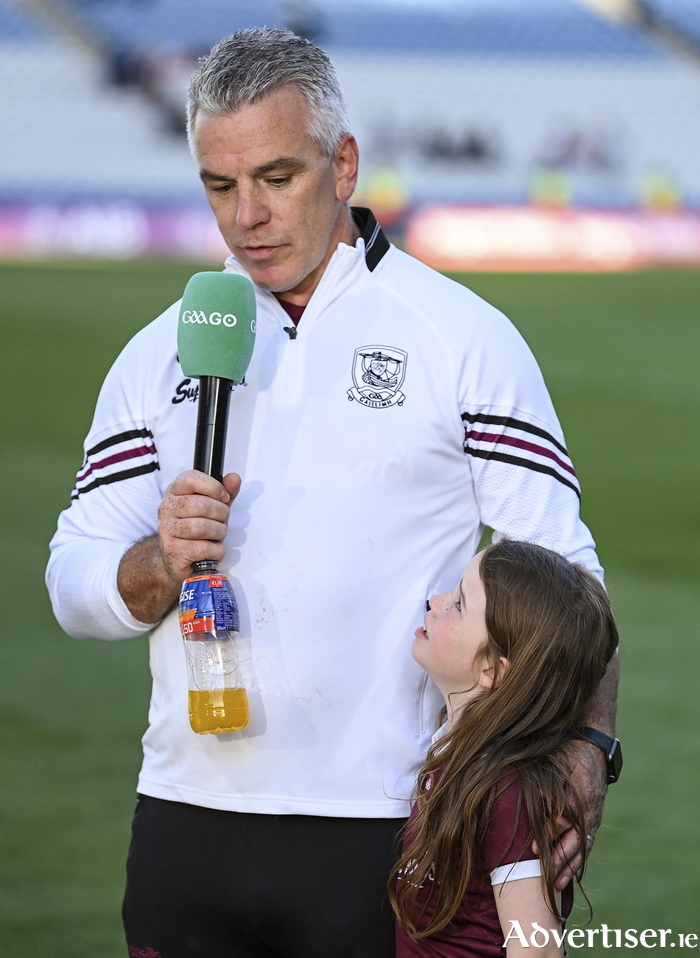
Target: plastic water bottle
point(217, 700)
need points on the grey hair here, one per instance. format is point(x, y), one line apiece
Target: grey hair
point(249, 65)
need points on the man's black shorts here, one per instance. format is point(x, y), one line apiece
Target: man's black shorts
point(203, 883)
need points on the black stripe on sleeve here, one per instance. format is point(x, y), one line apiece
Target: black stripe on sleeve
point(527, 463)
point(120, 437)
point(515, 424)
point(117, 477)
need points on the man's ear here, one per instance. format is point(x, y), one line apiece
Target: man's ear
point(488, 673)
point(346, 162)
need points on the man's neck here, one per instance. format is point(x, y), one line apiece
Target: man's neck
point(347, 232)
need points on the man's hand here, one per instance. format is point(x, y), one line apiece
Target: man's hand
point(192, 524)
point(589, 774)
point(193, 520)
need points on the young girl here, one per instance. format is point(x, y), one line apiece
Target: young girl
point(517, 650)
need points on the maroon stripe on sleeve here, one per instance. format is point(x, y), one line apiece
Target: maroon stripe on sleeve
point(117, 457)
point(520, 444)
point(116, 477)
point(511, 423)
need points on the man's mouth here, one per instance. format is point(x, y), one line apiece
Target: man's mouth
point(259, 252)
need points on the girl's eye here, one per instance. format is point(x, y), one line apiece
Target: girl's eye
point(458, 605)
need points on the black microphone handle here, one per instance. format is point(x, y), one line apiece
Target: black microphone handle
point(212, 420)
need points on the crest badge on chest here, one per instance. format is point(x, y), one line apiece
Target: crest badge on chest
point(378, 373)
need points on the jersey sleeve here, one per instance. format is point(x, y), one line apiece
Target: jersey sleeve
point(114, 504)
point(508, 853)
point(525, 483)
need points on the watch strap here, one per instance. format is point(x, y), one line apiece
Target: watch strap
point(609, 746)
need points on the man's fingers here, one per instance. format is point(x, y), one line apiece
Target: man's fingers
point(199, 483)
point(554, 830)
point(196, 527)
point(567, 873)
point(588, 775)
point(567, 858)
point(558, 827)
point(193, 507)
point(566, 850)
point(232, 484)
point(193, 520)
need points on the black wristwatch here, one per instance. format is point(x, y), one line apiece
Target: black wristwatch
point(610, 746)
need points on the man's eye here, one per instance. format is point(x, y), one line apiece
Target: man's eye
point(279, 180)
point(224, 188)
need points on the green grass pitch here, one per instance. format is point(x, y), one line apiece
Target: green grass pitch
point(619, 352)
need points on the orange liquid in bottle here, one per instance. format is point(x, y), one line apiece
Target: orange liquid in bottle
point(220, 710)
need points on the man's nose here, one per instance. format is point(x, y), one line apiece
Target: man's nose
point(251, 211)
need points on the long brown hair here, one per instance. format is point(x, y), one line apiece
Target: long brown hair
point(553, 623)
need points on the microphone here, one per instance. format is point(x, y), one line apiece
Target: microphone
point(215, 339)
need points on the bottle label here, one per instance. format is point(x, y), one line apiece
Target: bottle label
point(207, 604)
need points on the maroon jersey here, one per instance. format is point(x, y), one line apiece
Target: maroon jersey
point(475, 931)
point(292, 310)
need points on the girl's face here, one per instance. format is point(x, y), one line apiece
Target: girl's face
point(448, 645)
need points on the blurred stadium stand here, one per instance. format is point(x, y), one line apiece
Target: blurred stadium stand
point(537, 28)
point(499, 102)
point(67, 132)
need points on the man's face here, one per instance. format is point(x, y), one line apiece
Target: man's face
point(279, 203)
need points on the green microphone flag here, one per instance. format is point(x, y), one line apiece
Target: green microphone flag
point(216, 331)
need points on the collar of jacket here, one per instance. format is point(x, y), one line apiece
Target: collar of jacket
point(376, 243)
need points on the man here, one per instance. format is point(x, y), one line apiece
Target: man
point(356, 504)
